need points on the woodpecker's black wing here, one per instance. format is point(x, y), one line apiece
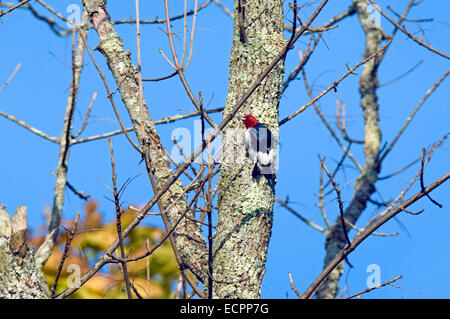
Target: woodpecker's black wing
point(263, 137)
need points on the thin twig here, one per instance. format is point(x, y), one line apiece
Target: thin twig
point(56, 13)
point(375, 287)
point(304, 59)
point(172, 229)
point(347, 13)
point(141, 90)
point(119, 223)
point(184, 155)
point(341, 124)
point(333, 85)
point(408, 19)
point(124, 130)
point(178, 66)
point(86, 117)
point(76, 192)
point(65, 254)
point(422, 185)
point(400, 170)
point(333, 134)
point(64, 147)
point(403, 29)
point(2, 13)
point(224, 9)
point(293, 286)
point(162, 21)
point(409, 119)
point(57, 29)
point(374, 233)
point(321, 196)
point(340, 163)
point(147, 244)
point(341, 206)
point(10, 77)
point(100, 136)
point(161, 78)
point(401, 75)
point(303, 219)
point(30, 128)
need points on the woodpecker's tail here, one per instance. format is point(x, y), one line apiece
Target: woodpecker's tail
point(265, 170)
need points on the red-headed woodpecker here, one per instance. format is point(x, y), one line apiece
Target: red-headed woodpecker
point(259, 142)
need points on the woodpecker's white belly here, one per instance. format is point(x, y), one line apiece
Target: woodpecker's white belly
point(263, 158)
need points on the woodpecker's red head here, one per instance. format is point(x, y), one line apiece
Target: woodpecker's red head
point(249, 121)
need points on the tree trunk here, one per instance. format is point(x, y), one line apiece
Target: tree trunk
point(20, 275)
point(246, 206)
point(365, 183)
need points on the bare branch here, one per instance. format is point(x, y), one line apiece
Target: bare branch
point(86, 117)
point(347, 13)
point(178, 66)
point(303, 219)
point(341, 206)
point(422, 185)
point(162, 21)
point(56, 13)
point(375, 287)
point(336, 138)
point(76, 192)
point(116, 196)
point(333, 85)
point(403, 29)
point(224, 9)
point(2, 13)
point(293, 286)
point(64, 147)
point(30, 128)
point(66, 251)
point(409, 119)
point(305, 58)
point(110, 96)
point(401, 75)
point(374, 225)
point(10, 77)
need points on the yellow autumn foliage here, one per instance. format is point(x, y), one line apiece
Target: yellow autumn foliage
point(92, 237)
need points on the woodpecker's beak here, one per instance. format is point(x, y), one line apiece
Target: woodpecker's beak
point(243, 118)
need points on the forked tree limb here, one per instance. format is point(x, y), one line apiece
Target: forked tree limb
point(369, 229)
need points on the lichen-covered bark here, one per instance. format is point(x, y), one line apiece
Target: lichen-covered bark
point(20, 276)
point(365, 183)
point(188, 237)
point(246, 206)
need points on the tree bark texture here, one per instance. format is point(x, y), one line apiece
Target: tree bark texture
point(188, 237)
point(365, 183)
point(20, 276)
point(246, 206)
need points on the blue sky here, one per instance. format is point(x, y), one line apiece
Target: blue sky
point(38, 94)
